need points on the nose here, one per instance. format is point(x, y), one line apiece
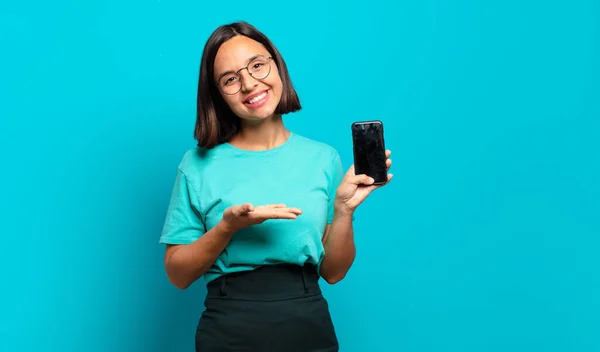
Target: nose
point(248, 82)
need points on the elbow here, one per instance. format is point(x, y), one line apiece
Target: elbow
point(177, 280)
point(174, 276)
point(180, 284)
point(334, 279)
point(334, 273)
point(179, 277)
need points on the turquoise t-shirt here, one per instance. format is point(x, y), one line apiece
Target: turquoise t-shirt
point(301, 173)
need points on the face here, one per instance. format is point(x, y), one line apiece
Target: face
point(256, 99)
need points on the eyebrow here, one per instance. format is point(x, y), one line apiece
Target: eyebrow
point(230, 71)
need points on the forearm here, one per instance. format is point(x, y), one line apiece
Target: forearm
point(189, 262)
point(340, 249)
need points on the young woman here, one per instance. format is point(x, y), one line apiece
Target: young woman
point(258, 211)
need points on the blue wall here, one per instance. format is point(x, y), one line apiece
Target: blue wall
point(487, 239)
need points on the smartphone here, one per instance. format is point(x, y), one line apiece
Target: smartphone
point(369, 150)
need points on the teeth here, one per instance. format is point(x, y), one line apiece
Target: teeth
point(255, 99)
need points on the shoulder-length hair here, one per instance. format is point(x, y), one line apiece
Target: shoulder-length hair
point(215, 122)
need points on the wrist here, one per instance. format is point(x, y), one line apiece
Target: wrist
point(340, 209)
point(225, 228)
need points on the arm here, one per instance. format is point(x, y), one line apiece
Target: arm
point(191, 250)
point(185, 264)
point(338, 239)
point(340, 250)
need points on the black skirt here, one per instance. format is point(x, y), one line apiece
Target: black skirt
point(270, 309)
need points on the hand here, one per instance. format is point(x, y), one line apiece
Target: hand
point(354, 189)
point(238, 217)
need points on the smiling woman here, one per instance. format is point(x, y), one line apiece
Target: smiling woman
point(258, 211)
point(231, 50)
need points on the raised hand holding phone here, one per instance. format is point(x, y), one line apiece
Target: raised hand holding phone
point(354, 189)
point(371, 164)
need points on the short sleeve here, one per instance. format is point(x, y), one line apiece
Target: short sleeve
point(336, 174)
point(184, 222)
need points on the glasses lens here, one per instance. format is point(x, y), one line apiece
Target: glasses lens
point(230, 83)
point(259, 67)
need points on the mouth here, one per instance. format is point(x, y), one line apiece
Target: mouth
point(257, 100)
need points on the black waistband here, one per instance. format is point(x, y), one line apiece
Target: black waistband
point(270, 282)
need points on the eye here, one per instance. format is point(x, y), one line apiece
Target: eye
point(228, 80)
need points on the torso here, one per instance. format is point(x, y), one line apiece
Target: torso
point(300, 173)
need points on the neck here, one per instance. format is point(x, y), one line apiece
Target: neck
point(261, 135)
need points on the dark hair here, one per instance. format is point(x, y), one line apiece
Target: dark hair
point(215, 122)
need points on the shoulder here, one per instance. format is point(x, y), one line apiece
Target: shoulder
point(192, 159)
point(315, 148)
point(197, 159)
point(195, 163)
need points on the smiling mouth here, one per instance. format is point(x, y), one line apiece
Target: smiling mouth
point(257, 99)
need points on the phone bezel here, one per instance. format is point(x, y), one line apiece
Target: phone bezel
point(377, 122)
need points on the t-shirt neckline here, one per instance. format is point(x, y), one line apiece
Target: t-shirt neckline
point(261, 152)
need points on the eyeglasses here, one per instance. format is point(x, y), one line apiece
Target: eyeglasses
point(259, 68)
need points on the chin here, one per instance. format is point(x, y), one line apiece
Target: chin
point(259, 114)
point(257, 117)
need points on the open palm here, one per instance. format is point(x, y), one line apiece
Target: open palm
point(238, 217)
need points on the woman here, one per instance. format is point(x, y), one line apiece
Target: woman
point(258, 211)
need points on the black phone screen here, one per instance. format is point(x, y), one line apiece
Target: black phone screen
point(369, 150)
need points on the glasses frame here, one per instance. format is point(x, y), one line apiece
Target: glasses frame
point(247, 68)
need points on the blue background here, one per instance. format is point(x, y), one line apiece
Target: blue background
point(486, 240)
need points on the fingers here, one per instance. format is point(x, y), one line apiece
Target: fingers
point(361, 180)
point(282, 215)
point(275, 213)
point(296, 211)
point(280, 208)
point(275, 206)
point(388, 161)
point(389, 178)
point(243, 209)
